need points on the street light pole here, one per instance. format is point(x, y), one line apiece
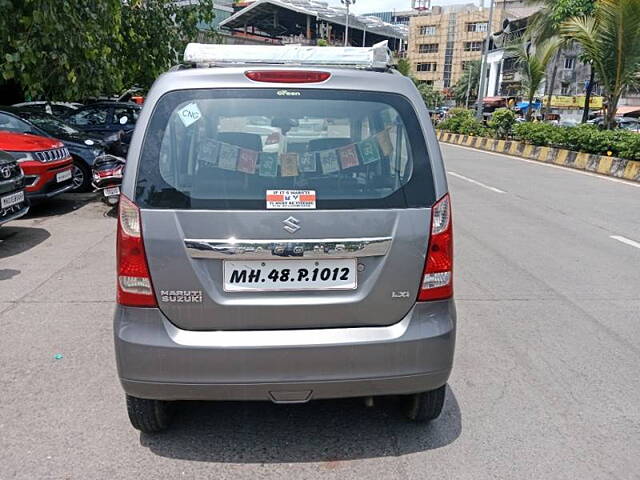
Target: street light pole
point(466, 104)
point(347, 3)
point(483, 67)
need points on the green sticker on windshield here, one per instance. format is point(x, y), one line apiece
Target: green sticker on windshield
point(268, 164)
point(369, 151)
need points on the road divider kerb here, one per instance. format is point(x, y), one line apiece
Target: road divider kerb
point(604, 165)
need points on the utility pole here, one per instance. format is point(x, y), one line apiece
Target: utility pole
point(468, 87)
point(483, 67)
point(347, 3)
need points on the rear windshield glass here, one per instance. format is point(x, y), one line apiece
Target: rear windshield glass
point(224, 149)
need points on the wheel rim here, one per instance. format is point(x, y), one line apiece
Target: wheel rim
point(77, 176)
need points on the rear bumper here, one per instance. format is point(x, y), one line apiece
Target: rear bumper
point(157, 360)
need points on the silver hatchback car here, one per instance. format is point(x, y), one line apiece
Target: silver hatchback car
point(284, 235)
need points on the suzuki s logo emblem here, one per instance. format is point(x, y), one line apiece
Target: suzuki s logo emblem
point(5, 172)
point(292, 224)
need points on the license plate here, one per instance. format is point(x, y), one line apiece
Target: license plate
point(283, 275)
point(62, 176)
point(11, 200)
point(111, 191)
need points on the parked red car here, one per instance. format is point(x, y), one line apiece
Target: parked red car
point(46, 163)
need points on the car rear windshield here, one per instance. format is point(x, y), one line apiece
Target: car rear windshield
point(224, 149)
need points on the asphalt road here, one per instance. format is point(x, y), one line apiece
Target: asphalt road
point(546, 382)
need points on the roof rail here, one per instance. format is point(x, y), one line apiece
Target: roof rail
point(377, 57)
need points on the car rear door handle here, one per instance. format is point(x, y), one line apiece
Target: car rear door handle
point(268, 249)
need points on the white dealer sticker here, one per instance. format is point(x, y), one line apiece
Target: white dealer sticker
point(280, 199)
point(190, 114)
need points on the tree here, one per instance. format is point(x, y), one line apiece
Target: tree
point(61, 50)
point(611, 41)
point(465, 91)
point(154, 35)
point(70, 50)
point(432, 98)
point(546, 24)
point(532, 61)
point(404, 67)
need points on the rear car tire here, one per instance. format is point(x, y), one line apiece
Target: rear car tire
point(148, 416)
point(81, 175)
point(426, 406)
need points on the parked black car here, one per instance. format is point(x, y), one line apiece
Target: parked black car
point(13, 201)
point(84, 147)
point(105, 118)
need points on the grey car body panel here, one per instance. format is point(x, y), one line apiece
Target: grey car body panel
point(158, 360)
point(172, 268)
point(284, 346)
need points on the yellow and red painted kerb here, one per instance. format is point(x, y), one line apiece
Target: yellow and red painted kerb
point(602, 164)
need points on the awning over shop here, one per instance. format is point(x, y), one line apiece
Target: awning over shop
point(296, 17)
point(628, 111)
point(524, 106)
point(494, 101)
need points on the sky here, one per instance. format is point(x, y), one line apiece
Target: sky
point(366, 6)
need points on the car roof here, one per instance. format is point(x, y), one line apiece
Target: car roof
point(46, 102)
point(17, 112)
point(234, 77)
point(13, 109)
point(107, 103)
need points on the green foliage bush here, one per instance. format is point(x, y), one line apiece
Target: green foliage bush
point(583, 138)
point(502, 122)
point(630, 147)
point(462, 121)
point(542, 134)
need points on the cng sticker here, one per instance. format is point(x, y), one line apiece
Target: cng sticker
point(189, 114)
point(294, 199)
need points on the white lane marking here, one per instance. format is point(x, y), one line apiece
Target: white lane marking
point(475, 182)
point(626, 240)
point(543, 164)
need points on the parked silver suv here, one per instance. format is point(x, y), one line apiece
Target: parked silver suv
point(284, 234)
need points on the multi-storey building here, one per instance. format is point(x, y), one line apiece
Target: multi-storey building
point(443, 40)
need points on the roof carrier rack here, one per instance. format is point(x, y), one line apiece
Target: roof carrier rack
point(377, 57)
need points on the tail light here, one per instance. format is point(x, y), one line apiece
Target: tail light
point(287, 76)
point(437, 279)
point(134, 281)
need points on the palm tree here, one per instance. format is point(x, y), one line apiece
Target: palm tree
point(546, 23)
point(611, 41)
point(532, 61)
